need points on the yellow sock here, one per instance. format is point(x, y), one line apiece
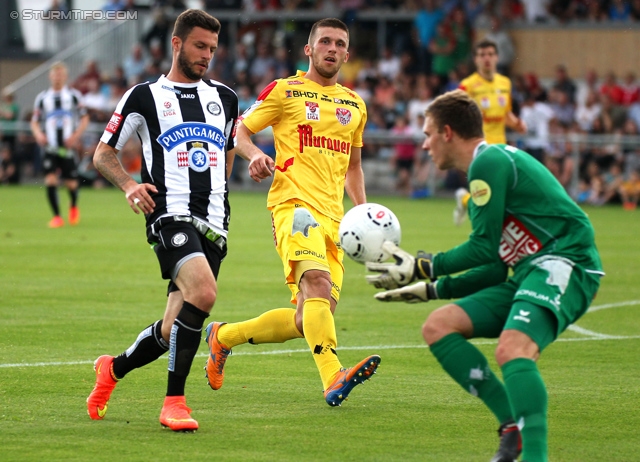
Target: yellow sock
point(465, 200)
point(275, 326)
point(320, 333)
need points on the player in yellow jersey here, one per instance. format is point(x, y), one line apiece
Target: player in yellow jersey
point(317, 126)
point(492, 92)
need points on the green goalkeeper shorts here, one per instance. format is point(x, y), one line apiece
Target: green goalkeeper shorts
point(541, 300)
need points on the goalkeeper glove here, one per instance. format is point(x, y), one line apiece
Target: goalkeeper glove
point(415, 293)
point(404, 271)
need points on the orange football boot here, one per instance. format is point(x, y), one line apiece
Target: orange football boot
point(74, 216)
point(176, 415)
point(98, 400)
point(217, 356)
point(348, 378)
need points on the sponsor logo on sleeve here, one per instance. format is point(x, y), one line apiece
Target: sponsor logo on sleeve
point(480, 192)
point(114, 123)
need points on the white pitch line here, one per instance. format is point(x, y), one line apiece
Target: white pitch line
point(352, 348)
point(590, 333)
point(613, 305)
point(591, 337)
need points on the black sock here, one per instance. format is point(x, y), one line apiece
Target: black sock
point(186, 335)
point(148, 347)
point(52, 194)
point(73, 194)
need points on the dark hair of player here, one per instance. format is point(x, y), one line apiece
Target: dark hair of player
point(486, 43)
point(457, 110)
point(194, 18)
point(327, 22)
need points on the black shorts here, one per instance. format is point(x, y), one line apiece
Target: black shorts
point(404, 164)
point(67, 165)
point(179, 242)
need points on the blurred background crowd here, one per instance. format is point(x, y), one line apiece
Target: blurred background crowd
point(418, 62)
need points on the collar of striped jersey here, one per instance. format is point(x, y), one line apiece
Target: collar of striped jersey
point(164, 78)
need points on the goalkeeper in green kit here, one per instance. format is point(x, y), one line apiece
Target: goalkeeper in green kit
point(522, 219)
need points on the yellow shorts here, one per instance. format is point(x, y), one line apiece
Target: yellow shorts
point(306, 239)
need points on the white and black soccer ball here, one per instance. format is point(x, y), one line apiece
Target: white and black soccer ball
point(364, 228)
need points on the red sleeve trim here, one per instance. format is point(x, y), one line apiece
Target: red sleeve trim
point(264, 93)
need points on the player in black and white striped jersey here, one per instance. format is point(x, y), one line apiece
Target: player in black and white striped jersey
point(61, 112)
point(185, 125)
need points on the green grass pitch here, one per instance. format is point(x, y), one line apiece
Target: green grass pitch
point(69, 295)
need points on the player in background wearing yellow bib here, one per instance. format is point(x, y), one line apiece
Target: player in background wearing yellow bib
point(317, 127)
point(492, 92)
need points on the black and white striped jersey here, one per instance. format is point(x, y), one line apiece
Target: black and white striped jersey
point(185, 130)
point(59, 112)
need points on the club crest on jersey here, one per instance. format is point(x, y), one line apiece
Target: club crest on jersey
point(484, 103)
point(313, 110)
point(343, 115)
point(185, 158)
point(502, 101)
point(214, 108)
point(192, 131)
point(198, 158)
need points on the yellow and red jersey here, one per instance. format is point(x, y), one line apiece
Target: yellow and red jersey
point(494, 99)
point(314, 130)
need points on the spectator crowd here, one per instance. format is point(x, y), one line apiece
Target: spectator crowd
point(419, 61)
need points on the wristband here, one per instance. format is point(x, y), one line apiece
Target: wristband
point(432, 291)
point(423, 266)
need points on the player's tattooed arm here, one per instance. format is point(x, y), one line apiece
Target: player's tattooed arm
point(138, 194)
point(106, 161)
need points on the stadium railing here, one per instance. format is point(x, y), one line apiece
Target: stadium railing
point(379, 146)
point(105, 42)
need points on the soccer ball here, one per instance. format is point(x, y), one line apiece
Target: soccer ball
point(363, 230)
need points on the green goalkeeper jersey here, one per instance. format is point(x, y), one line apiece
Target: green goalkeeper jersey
point(518, 211)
